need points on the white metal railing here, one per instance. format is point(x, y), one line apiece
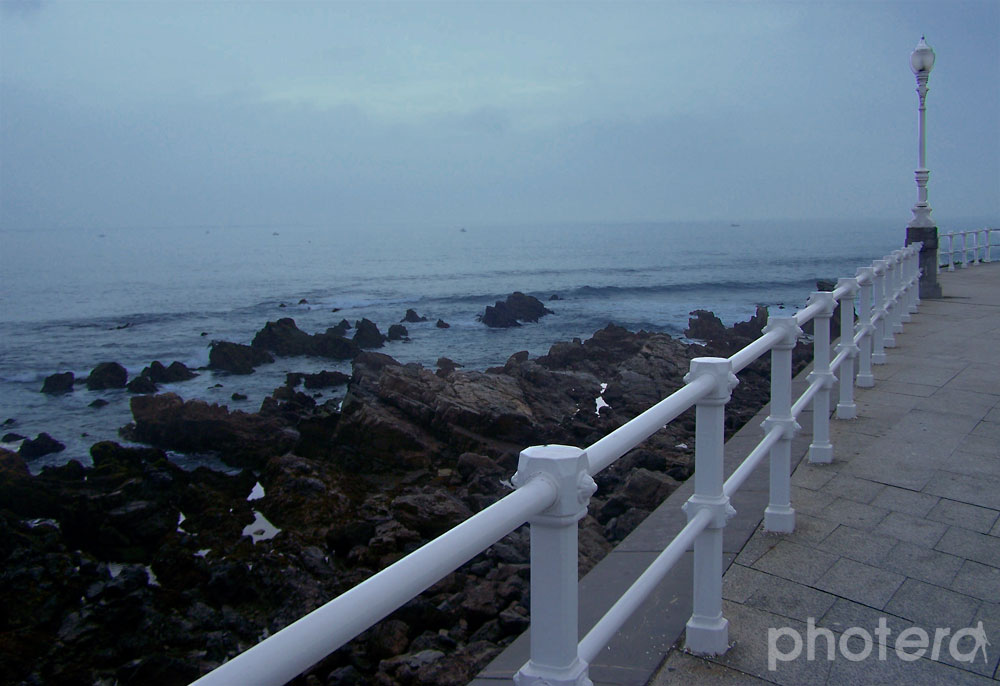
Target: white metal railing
point(978, 242)
point(554, 484)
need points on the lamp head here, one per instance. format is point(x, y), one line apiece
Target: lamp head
point(922, 58)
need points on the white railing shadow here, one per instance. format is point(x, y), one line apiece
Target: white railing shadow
point(554, 485)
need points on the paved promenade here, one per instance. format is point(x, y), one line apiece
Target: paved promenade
point(900, 532)
point(904, 525)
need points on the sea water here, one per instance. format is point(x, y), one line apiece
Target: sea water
point(72, 298)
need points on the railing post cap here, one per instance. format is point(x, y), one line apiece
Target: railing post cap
point(568, 470)
point(866, 273)
point(879, 267)
point(720, 369)
point(850, 283)
point(789, 328)
point(825, 299)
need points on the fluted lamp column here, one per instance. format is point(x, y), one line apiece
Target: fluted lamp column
point(922, 227)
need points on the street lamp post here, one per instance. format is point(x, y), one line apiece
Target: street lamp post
point(921, 227)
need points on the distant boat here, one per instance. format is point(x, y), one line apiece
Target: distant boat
point(462, 229)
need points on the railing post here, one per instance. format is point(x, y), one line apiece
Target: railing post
point(554, 566)
point(975, 248)
point(895, 294)
point(914, 278)
point(846, 407)
point(988, 245)
point(951, 252)
point(905, 267)
point(965, 250)
point(888, 331)
point(707, 630)
point(821, 450)
point(779, 515)
point(865, 378)
point(879, 312)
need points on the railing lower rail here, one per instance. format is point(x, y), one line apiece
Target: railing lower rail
point(554, 485)
point(976, 246)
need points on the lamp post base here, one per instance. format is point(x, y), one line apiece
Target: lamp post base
point(929, 286)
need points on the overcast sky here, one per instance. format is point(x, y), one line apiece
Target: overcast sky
point(118, 114)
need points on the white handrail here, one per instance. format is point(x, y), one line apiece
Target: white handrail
point(554, 485)
point(283, 656)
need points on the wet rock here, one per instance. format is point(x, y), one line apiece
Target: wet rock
point(325, 379)
point(58, 383)
point(367, 335)
point(12, 438)
point(241, 439)
point(99, 403)
point(398, 332)
point(412, 317)
point(43, 444)
point(107, 375)
point(446, 366)
point(517, 308)
point(499, 316)
point(442, 324)
point(431, 514)
point(177, 371)
point(285, 339)
point(704, 326)
point(141, 384)
point(236, 358)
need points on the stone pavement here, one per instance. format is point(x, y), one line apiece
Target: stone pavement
point(903, 525)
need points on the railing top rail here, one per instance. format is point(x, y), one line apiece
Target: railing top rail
point(280, 658)
point(300, 645)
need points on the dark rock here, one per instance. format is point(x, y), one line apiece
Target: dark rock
point(446, 366)
point(398, 332)
point(58, 383)
point(526, 308)
point(43, 444)
point(284, 338)
point(107, 375)
point(705, 326)
point(238, 396)
point(141, 384)
point(518, 307)
point(236, 358)
point(177, 371)
point(412, 317)
point(554, 296)
point(242, 439)
point(99, 403)
point(11, 438)
point(499, 316)
point(325, 379)
point(303, 301)
point(367, 335)
point(429, 513)
point(442, 324)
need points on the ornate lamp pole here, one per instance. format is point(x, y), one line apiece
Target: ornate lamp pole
point(922, 227)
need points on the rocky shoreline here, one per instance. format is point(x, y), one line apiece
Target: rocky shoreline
point(136, 571)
